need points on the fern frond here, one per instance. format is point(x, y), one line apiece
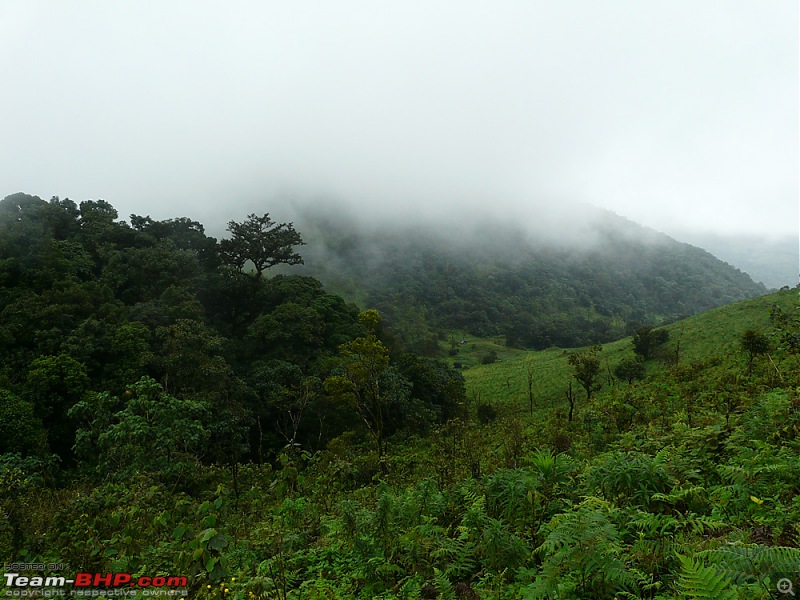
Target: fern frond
point(734, 474)
point(444, 588)
point(460, 556)
point(680, 494)
point(699, 581)
point(410, 590)
point(755, 562)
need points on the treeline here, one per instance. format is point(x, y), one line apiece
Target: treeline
point(149, 346)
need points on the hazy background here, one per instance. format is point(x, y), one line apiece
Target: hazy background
point(680, 115)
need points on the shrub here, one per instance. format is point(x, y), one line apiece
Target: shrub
point(489, 358)
point(486, 412)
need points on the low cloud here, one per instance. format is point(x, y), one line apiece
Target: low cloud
point(679, 116)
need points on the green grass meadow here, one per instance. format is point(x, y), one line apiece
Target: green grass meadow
point(713, 333)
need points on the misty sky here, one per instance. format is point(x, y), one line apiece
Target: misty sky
point(681, 115)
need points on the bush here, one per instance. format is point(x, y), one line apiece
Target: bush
point(486, 412)
point(489, 358)
point(630, 369)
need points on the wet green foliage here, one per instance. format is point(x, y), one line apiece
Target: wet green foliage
point(163, 413)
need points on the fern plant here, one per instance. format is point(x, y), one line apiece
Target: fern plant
point(583, 550)
point(764, 565)
point(631, 477)
point(699, 581)
point(444, 587)
point(500, 548)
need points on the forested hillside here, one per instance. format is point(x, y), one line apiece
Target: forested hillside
point(169, 407)
point(98, 314)
point(587, 279)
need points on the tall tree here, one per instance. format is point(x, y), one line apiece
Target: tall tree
point(367, 382)
point(261, 241)
point(53, 385)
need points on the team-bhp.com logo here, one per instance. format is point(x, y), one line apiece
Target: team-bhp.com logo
point(25, 585)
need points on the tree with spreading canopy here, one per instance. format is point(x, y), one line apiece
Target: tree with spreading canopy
point(630, 369)
point(261, 241)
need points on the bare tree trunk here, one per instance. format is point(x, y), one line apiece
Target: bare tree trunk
point(571, 398)
point(530, 387)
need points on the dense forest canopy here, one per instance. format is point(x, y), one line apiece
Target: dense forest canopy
point(92, 304)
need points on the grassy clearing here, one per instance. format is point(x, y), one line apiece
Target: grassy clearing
point(506, 381)
point(713, 333)
point(471, 349)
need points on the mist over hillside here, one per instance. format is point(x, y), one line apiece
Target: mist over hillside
point(775, 262)
point(565, 279)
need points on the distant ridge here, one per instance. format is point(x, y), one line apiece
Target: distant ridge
point(539, 287)
point(775, 261)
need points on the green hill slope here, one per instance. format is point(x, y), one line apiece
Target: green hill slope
point(715, 333)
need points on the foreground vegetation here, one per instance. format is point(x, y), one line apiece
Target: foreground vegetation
point(164, 412)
